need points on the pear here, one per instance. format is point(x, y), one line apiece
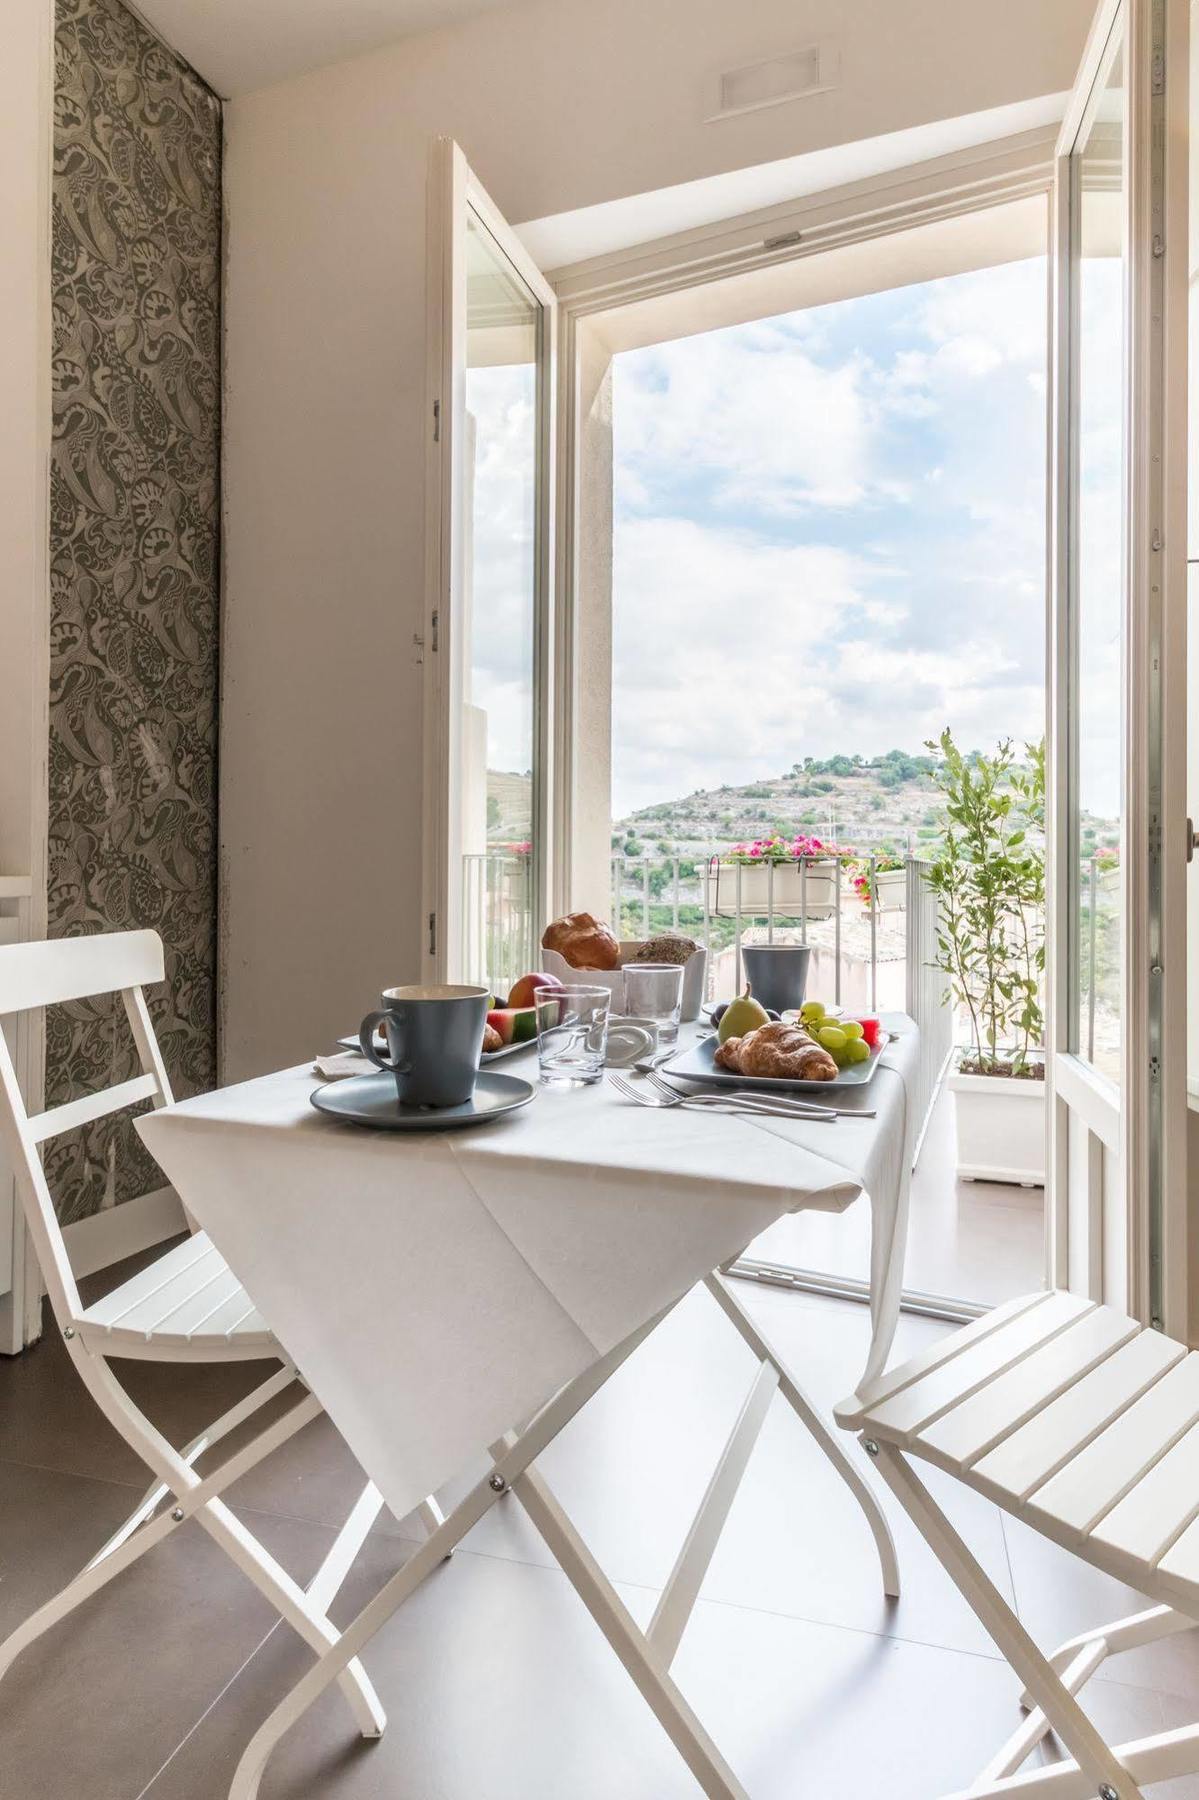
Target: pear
point(741, 1015)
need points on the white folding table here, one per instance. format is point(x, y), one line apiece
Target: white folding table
point(446, 1293)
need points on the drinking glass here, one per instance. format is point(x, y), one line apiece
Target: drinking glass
point(572, 1034)
point(655, 991)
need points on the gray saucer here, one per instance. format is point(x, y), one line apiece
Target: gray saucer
point(371, 1100)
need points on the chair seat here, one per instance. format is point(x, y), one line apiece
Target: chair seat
point(188, 1300)
point(1069, 1415)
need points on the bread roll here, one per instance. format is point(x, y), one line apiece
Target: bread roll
point(778, 1051)
point(667, 949)
point(583, 942)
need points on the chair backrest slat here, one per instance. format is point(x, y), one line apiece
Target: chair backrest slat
point(58, 969)
point(46, 974)
point(91, 1106)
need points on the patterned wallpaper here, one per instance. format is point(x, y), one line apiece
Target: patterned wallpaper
point(133, 542)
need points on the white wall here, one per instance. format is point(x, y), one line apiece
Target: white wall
point(558, 105)
point(25, 152)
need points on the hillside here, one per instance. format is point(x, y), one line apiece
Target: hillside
point(889, 803)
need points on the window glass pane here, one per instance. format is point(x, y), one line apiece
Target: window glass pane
point(499, 608)
point(1098, 709)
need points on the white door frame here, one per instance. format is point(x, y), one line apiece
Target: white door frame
point(965, 182)
point(454, 193)
point(1139, 1130)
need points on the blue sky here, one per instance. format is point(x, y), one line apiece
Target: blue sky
point(830, 534)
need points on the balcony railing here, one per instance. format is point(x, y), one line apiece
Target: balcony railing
point(872, 944)
point(497, 918)
point(872, 952)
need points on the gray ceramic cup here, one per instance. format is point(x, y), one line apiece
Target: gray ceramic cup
point(434, 1040)
point(777, 973)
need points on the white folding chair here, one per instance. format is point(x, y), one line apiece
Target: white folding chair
point(1075, 1419)
point(187, 1307)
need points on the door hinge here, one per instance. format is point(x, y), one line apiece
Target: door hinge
point(433, 624)
point(437, 421)
point(432, 934)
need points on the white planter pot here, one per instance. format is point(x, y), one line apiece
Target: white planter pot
point(892, 890)
point(1000, 1128)
point(786, 892)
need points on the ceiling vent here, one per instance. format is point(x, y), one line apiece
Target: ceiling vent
point(793, 76)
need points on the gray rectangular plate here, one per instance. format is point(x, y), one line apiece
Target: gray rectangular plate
point(697, 1063)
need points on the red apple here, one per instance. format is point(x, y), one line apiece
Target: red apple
point(525, 991)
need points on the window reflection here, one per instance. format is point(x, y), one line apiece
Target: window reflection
point(499, 609)
point(1099, 562)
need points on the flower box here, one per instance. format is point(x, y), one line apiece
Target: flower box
point(791, 889)
point(891, 886)
point(1000, 1123)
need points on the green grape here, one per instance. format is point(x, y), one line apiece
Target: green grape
point(833, 1038)
point(857, 1051)
point(852, 1028)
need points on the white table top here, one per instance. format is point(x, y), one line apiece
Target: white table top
point(435, 1289)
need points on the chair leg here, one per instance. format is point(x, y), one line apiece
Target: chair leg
point(290, 1601)
point(136, 1535)
point(819, 1428)
point(1095, 1759)
point(191, 1453)
point(85, 1584)
point(1162, 1757)
point(1123, 1634)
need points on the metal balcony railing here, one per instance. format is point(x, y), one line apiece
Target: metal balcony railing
point(873, 941)
point(871, 950)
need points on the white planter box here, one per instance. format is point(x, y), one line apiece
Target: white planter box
point(892, 889)
point(1000, 1128)
point(787, 893)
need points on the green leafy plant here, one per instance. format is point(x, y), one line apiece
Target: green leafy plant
point(989, 873)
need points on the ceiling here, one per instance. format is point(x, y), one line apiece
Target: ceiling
point(556, 243)
point(239, 45)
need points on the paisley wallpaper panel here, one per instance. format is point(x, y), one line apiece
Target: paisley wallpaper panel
point(133, 541)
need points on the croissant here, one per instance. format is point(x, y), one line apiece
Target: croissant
point(778, 1051)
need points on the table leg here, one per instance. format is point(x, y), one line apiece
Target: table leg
point(332, 1663)
point(829, 1440)
point(888, 1254)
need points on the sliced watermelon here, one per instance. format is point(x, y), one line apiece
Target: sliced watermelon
point(515, 1024)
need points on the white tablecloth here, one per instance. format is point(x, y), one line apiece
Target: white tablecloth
point(435, 1289)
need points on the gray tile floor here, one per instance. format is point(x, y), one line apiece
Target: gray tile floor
point(495, 1679)
point(967, 1240)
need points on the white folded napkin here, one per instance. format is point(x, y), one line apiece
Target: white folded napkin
point(341, 1065)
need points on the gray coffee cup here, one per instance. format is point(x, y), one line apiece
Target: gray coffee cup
point(777, 973)
point(434, 1040)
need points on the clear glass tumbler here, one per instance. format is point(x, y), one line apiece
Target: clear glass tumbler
point(655, 991)
point(572, 1034)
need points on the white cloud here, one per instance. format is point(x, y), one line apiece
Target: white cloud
point(897, 444)
point(752, 409)
point(734, 657)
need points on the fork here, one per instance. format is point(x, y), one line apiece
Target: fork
point(731, 1103)
point(803, 1109)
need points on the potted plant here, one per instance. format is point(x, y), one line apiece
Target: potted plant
point(796, 877)
point(989, 876)
point(889, 888)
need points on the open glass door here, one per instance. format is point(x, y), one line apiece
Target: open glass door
point(1117, 688)
point(487, 846)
